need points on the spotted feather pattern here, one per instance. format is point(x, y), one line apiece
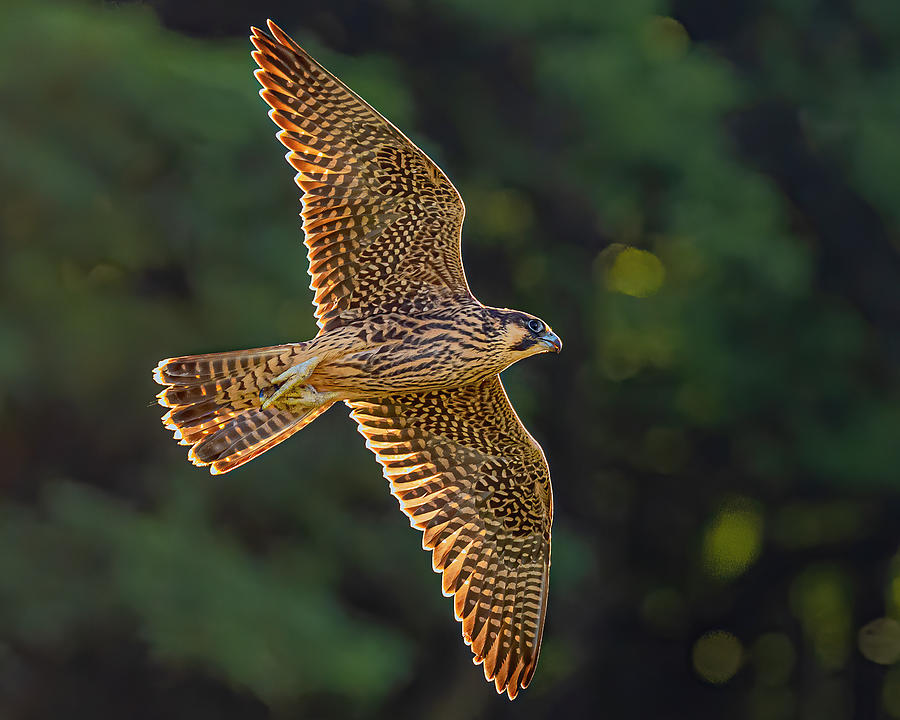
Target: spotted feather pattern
point(382, 223)
point(469, 475)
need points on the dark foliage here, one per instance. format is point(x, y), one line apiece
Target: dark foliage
point(701, 198)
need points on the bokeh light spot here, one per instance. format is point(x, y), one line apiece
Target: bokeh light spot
point(733, 540)
point(664, 38)
point(635, 272)
point(717, 656)
point(879, 641)
point(508, 214)
point(820, 599)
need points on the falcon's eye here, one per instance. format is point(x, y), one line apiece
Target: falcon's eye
point(536, 326)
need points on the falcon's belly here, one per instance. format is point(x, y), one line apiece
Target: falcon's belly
point(394, 354)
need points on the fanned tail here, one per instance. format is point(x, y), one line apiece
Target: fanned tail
point(214, 403)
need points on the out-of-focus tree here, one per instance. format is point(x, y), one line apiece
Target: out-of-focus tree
point(702, 201)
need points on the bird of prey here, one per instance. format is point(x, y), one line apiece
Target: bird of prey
point(404, 343)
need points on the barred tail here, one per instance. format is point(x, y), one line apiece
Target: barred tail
point(215, 404)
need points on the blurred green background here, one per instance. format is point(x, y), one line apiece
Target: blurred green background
point(702, 198)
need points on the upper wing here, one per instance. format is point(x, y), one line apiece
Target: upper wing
point(469, 475)
point(382, 222)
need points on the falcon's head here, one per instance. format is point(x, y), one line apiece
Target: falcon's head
point(526, 334)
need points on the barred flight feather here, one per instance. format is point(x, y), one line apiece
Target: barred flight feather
point(214, 404)
point(367, 188)
point(476, 517)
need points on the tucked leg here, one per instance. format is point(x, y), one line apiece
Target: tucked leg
point(305, 398)
point(288, 379)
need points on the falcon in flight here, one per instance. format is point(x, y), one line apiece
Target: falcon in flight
point(404, 343)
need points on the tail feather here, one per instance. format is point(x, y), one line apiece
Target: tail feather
point(193, 423)
point(247, 437)
point(214, 404)
point(198, 369)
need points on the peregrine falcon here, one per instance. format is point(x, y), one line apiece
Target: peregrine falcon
point(404, 343)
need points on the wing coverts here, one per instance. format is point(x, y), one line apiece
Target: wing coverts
point(468, 474)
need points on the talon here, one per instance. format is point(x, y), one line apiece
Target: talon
point(308, 398)
point(288, 379)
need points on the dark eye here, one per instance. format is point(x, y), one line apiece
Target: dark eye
point(536, 326)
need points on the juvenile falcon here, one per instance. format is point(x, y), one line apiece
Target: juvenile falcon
point(406, 345)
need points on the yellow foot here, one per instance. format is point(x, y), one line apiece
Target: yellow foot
point(306, 399)
point(288, 379)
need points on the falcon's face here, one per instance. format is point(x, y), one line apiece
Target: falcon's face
point(527, 335)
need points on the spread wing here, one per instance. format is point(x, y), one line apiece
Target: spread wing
point(469, 475)
point(382, 222)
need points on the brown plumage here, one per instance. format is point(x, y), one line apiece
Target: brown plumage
point(407, 346)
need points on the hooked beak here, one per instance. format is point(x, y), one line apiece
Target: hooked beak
point(551, 341)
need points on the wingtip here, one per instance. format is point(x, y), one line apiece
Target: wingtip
point(158, 371)
point(161, 399)
point(192, 456)
point(525, 681)
point(276, 31)
point(173, 428)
